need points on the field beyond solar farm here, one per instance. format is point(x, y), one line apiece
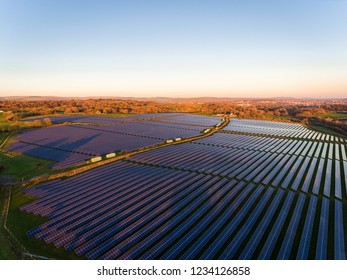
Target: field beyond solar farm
point(175, 186)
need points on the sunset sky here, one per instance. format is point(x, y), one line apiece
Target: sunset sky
point(180, 48)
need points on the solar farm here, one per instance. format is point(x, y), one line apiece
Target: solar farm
point(251, 190)
point(73, 143)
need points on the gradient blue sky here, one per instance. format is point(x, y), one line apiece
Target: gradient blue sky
point(190, 48)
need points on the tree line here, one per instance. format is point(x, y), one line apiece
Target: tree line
point(305, 111)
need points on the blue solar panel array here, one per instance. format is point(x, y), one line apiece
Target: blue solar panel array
point(73, 144)
point(100, 119)
point(278, 129)
point(262, 163)
point(227, 196)
point(154, 213)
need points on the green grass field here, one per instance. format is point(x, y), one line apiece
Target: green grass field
point(3, 137)
point(2, 119)
point(333, 115)
point(23, 166)
point(6, 252)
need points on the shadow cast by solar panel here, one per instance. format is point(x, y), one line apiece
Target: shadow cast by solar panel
point(187, 206)
point(186, 227)
point(60, 150)
point(132, 229)
point(75, 145)
point(123, 236)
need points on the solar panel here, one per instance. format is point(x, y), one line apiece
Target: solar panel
point(307, 231)
point(321, 251)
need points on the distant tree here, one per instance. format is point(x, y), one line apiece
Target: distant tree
point(277, 113)
point(305, 114)
point(320, 111)
point(38, 123)
point(10, 116)
point(67, 111)
point(74, 109)
point(283, 112)
point(47, 121)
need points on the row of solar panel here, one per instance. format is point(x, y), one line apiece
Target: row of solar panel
point(276, 145)
point(190, 119)
point(147, 129)
point(279, 129)
point(270, 124)
point(309, 174)
point(181, 118)
point(152, 213)
point(100, 119)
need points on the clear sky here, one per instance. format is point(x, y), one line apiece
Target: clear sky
point(174, 48)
